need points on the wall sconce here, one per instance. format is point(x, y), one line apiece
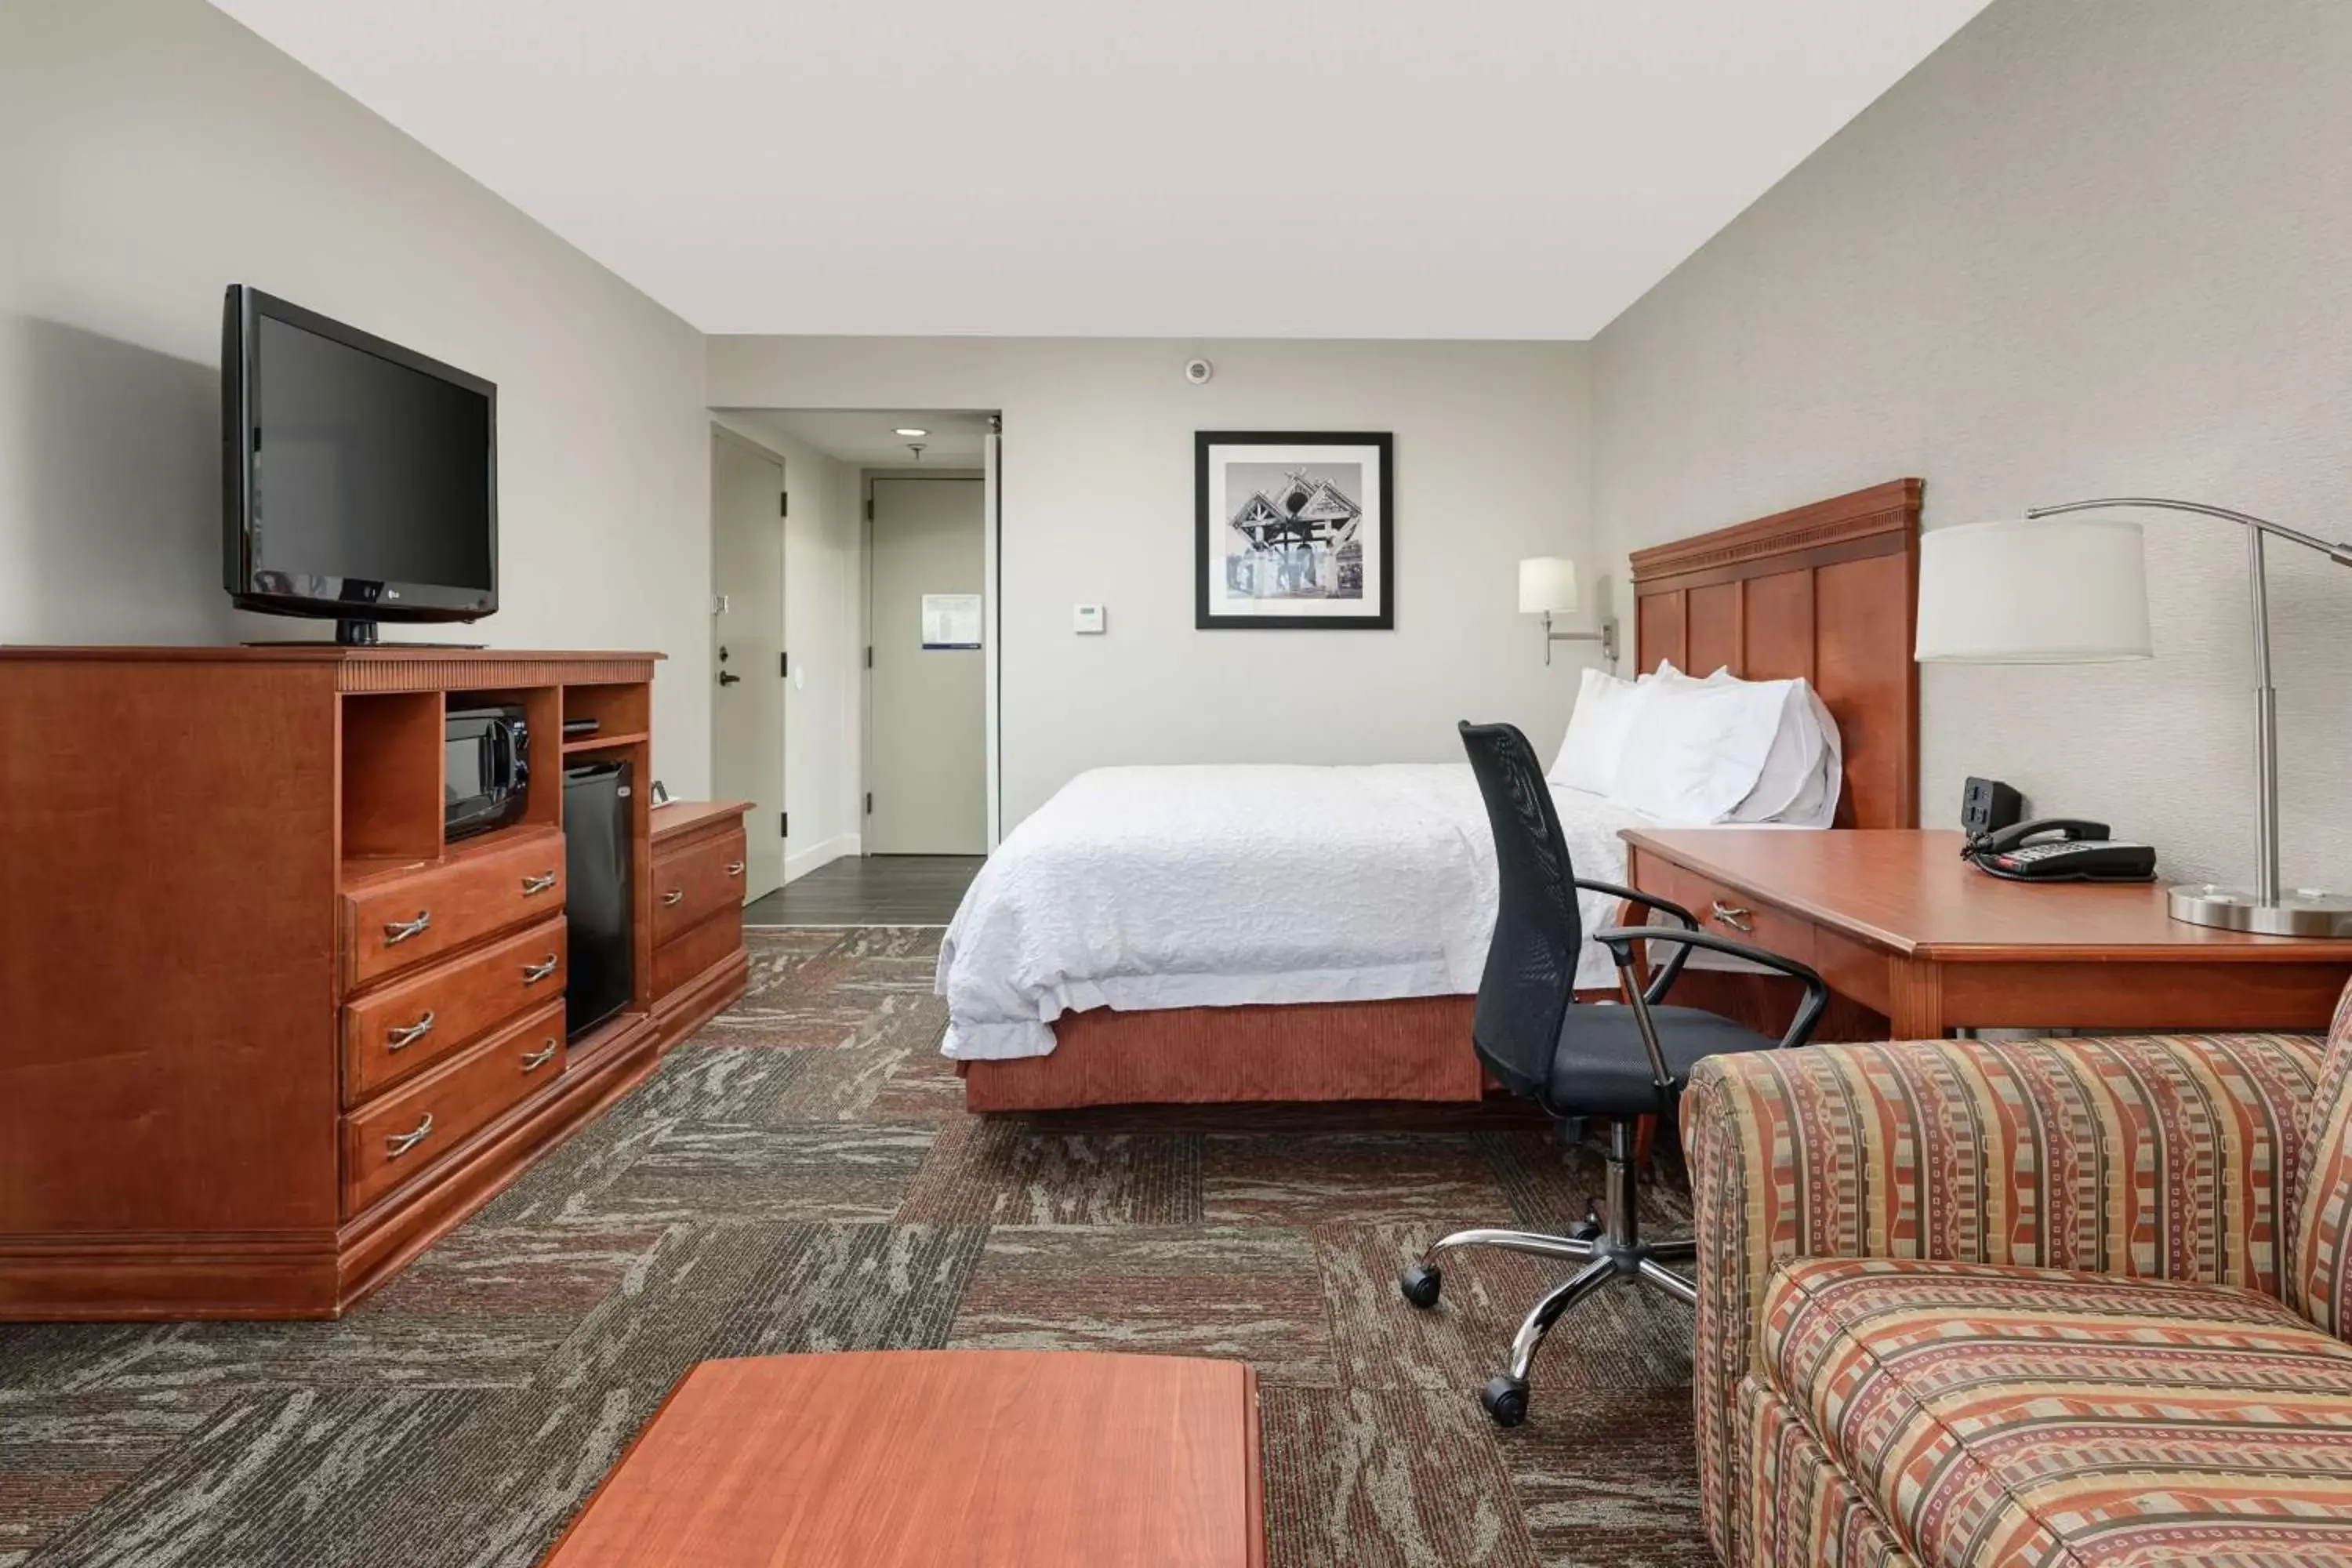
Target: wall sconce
point(1547, 588)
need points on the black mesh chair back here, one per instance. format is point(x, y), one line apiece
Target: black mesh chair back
point(1530, 978)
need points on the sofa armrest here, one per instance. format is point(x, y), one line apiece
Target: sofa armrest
point(2153, 1155)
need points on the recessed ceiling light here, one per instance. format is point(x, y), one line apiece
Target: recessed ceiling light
point(910, 430)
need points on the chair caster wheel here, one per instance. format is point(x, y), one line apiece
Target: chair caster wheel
point(1420, 1285)
point(1589, 1228)
point(1506, 1399)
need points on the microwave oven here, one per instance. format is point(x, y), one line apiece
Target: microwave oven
point(485, 769)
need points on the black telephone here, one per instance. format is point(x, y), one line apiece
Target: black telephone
point(2081, 853)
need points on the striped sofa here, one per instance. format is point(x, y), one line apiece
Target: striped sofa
point(2077, 1302)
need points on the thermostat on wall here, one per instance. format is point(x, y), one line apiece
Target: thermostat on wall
point(1087, 620)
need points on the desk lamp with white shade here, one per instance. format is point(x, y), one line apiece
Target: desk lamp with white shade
point(2032, 592)
point(1547, 588)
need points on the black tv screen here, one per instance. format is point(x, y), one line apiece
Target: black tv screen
point(361, 476)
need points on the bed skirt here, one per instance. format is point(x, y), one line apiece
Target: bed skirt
point(1416, 1047)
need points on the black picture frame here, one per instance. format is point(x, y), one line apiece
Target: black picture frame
point(1379, 611)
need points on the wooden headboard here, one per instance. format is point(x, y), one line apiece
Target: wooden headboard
point(1829, 592)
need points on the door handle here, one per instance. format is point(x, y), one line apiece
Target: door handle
point(728, 677)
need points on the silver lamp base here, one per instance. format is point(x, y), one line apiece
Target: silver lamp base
point(2304, 911)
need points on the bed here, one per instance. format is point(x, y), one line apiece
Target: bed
point(1175, 935)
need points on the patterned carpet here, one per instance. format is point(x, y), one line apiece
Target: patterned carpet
point(801, 1176)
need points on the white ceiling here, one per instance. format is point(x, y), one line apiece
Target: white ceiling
point(1328, 168)
point(871, 441)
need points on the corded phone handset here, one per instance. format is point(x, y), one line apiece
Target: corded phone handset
point(2082, 852)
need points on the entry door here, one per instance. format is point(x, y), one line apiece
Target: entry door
point(747, 710)
point(927, 728)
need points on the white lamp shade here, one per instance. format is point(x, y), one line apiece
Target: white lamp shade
point(2063, 591)
point(1547, 585)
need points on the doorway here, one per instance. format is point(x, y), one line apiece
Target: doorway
point(746, 631)
point(926, 730)
point(836, 765)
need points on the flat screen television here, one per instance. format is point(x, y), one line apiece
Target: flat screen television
point(360, 476)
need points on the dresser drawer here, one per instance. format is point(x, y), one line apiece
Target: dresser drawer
point(695, 880)
point(403, 1028)
point(683, 957)
point(1725, 913)
point(410, 1129)
point(397, 922)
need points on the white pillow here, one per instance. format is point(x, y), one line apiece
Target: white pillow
point(1595, 743)
point(1697, 747)
point(1816, 804)
point(1806, 735)
point(1804, 775)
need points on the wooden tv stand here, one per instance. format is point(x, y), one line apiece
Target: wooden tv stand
point(216, 1096)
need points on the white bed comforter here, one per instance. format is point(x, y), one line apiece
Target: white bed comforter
point(1138, 888)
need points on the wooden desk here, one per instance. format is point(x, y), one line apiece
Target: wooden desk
point(1896, 920)
point(894, 1459)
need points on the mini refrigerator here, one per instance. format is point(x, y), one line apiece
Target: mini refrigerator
point(599, 902)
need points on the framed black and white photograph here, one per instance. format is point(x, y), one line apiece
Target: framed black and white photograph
point(1293, 533)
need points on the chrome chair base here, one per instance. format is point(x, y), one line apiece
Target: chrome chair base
point(1616, 1255)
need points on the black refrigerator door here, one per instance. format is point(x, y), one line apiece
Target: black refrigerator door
point(598, 902)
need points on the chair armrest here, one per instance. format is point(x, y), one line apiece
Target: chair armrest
point(1670, 970)
point(2155, 1155)
point(1647, 901)
point(1621, 939)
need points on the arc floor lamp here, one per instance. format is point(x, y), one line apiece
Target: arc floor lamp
point(2033, 592)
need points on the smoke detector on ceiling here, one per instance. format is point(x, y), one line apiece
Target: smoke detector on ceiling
point(1199, 371)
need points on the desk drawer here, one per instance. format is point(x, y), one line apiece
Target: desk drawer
point(1723, 912)
point(408, 1131)
point(399, 922)
point(400, 1029)
point(696, 881)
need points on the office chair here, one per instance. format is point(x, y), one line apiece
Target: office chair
point(1602, 1062)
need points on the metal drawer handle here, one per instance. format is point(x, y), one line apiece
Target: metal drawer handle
point(539, 884)
point(533, 974)
point(539, 1058)
point(735, 868)
point(1737, 919)
point(400, 1039)
point(399, 931)
point(400, 1144)
point(674, 896)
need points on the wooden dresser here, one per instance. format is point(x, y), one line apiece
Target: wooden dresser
point(266, 1035)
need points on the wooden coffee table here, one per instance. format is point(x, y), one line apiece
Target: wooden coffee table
point(1018, 1459)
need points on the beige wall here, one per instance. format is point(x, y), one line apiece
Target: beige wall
point(151, 153)
point(2086, 249)
point(1098, 505)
